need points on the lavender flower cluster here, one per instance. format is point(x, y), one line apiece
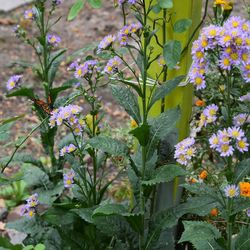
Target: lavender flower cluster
point(67, 114)
point(184, 151)
point(232, 40)
point(112, 65)
point(208, 115)
point(13, 82)
point(84, 69)
point(53, 40)
point(121, 2)
point(67, 149)
point(68, 178)
point(227, 140)
point(29, 209)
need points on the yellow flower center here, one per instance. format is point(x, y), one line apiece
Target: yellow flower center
point(212, 32)
point(234, 56)
point(232, 192)
point(199, 54)
point(241, 144)
point(235, 24)
point(224, 148)
point(238, 41)
point(244, 57)
point(227, 38)
point(198, 80)
point(226, 61)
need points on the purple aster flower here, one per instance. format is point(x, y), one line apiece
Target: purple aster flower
point(68, 179)
point(32, 201)
point(240, 119)
point(77, 130)
point(57, 2)
point(73, 65)
point(112, 65)
point(106, 42)
point(71, 148)
point(242, 145)
point(231, 191)
point(13, 82)
point(53, 40)
point(210, 113)
point(214, 141)
point(63, 151)
point(245, 98)
point(184, 151)
point(27, 211)
point(236, 133)
point(225, 150)
point(248, 212)
point(29, 14)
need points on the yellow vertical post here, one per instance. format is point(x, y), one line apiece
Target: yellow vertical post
point(169, 194)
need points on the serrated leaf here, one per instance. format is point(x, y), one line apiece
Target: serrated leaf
point(161, 126)
point(84, 213)
point(34, 176)
point(109, 209)
point(165, 173)
point(95, 3)
point(75, 9)
point(127, 99)
point(172, 53)
point(164, 90)
point(182, 25)
point(242, 241)
point(166, 4)
point(141, 133)
point(242, 170)
point(109, 145)
point(28, 92)
point(196, 231)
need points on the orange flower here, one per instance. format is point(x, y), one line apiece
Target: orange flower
point(214, 212)
point(200, 103)
point(192, 180)
point(245, 189)
point(203, 174)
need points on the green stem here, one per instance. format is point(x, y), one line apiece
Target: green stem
point(229, 225)
point(164, 34)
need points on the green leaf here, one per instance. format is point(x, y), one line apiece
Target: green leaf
point(84, 213)
point(166, 4)
point(172, 53)
point(54, 216)
point(47, 197)
point(127, 99)
point(5, 244)
point(161, 126)
point(28, 92)
point(141, 133)
point(109, 145)
point(26, 225)
point(164, 90)
point(109, 209)
point(75, 9)
point(198, 231)
point(55, 91)
point(182, 25)
point(242, 170)
point(242, 241)
point(39, 247)
point(95, 3)
point(22, 158)
point(165, 173)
